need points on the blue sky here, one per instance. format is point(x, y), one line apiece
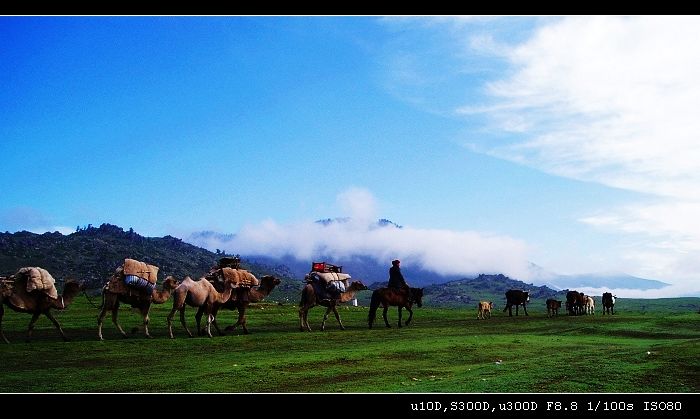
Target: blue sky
point(496, 141)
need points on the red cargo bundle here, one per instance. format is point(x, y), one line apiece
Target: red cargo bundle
point(325, 267)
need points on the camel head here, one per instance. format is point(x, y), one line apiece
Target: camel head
point(270, 280)
point(358, 286)
point(6, 287)
point(170, 283)
point(73, 287)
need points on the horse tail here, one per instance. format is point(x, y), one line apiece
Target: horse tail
point(373, 305)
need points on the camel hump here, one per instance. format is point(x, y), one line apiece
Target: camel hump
point(141, 270)
point(240, 277)
point(39, 279)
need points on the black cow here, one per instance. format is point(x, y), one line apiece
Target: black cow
point(516, 298)
point(608, 303)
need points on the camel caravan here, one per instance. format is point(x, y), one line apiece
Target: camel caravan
point(135, 283)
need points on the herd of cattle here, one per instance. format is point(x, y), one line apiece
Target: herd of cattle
point(577, 303)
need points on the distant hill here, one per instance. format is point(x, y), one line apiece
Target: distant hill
point(92, 254)
point(469, 291)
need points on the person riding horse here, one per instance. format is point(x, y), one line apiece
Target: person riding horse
point(396, 279)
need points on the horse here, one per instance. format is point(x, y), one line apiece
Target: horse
point(393, 297)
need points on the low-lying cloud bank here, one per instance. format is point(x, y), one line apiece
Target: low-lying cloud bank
point(441, 251)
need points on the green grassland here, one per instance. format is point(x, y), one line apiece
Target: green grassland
point(649, 346)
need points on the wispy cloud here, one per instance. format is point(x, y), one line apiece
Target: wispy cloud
point(611, 100)
point(607, 99)
point(442, 251)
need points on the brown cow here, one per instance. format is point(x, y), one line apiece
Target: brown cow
point(553, 307)
point(485, 308)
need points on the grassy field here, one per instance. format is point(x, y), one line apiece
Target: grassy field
point(650, 346)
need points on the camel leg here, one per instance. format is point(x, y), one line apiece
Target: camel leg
point(115, 315)
point(2, 313)
point(198, 320)
point(386, 321)
point(184, 322)
point(35, 317)
point(170, 322)
point(306, 320)
point(410, 315)
point(214, 312)
point(209, 318)
point(58, 326)
point(100, 320)
point(400, 313)
point(301, 319)
point(325, 317)
point(242, 319)
point(337, 316)
point(146, 320)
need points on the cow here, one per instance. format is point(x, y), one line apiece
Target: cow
point(575, 301)
point(553, 307)
point(485, 308)
point(590, 305)
point(608, 303)
point(516, 298)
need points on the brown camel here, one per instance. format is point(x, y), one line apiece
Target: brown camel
point(240, 301)
point(202, 294)
point(310, 298)
point(14, 294)
point(115, 292)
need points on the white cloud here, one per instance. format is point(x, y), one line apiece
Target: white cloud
point(442, 251)
point(612, 100)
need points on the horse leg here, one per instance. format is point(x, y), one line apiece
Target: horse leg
point(2, 313)
point(325, 317)
point(58, 326)
point(410, 315)
point(337, 316)
point(386, 321)
point(35, 317)
point(400, 313)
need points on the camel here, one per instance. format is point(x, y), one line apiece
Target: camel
point(14, 294)
point(200, 294)
point(309, 298)
point(115, 292)
point(240, 301)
